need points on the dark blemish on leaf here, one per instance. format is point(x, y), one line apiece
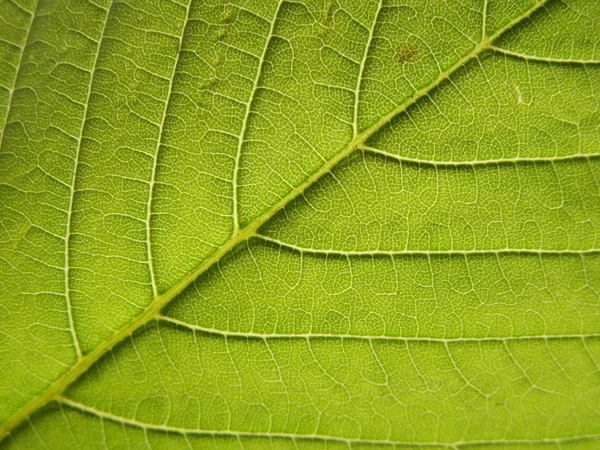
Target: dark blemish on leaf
point(407, 54)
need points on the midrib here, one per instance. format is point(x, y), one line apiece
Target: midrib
point(55, 389)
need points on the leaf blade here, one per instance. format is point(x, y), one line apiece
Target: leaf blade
point(160, 301)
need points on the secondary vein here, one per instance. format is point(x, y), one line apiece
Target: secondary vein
point(296, 436)
point(409, 252)
point(14, 83)
point(158, 144)
point(362, 68)
point(72, 189)
point(543, 58)
point(242, 136)
point(383, 337)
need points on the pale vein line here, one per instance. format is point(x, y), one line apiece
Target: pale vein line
point(543, 58)
point(158, 144)
point(465, 380)
point(295, 436)
point(72, 193)
point(319, 251)
point(484, 19)
point(362, 69)
point(18, 71)
point(306, 336)
point(242, 136)
point(480, 162)
point(15, 3)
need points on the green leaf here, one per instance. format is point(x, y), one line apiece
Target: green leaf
point(300, 224)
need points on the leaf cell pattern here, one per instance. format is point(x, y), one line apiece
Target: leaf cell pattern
point(300, 224)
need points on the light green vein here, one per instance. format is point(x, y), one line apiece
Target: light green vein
point(264, 336)
point(362, 69)
point(158, 144)
point(72, 189)
point(14, 83)
point(242, 137)
point(480, 162)
point(318, 251)
point(543, 58)
point(314, 437)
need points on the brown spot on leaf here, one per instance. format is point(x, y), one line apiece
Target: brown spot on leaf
point(407, 54)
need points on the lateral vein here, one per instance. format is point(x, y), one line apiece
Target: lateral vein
point(543, 58)
point(305, 437)
point(155, 162)
point(362, 69)
point(306, 336)
point(242, 136)
point(14, 83)
point(318, 251)
point(72, 190)
point(481, 162)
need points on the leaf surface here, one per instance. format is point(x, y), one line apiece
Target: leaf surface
point(300, 224)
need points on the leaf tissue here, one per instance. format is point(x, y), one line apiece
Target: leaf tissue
point(300, 224)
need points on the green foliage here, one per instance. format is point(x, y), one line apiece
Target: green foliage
point(300, 224)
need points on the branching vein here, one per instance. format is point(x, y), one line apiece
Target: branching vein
point(159, 141)
point(244, 129)
point(73, 189)
point(543, 58)
point(304, 437)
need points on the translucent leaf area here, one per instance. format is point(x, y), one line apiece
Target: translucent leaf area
point(300, 224)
